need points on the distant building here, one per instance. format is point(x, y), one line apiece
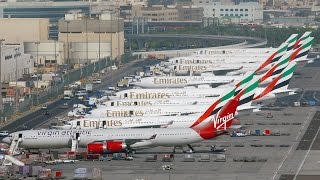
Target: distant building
point(160, 13)
point(156, 13)
point(49, 52)
point(51, 10)
point(121, 2)
point(242, 12)
point(87, 39)
point(14, 60)
point(18, 30)
point(293, 21)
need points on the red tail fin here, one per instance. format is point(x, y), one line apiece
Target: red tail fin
point(221, 121)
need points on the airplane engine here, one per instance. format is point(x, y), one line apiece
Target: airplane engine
point(234, 73)
point(167, 70)
point(106, 147)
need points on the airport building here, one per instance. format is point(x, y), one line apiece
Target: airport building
point(242, 12)
point(50, 10)
point(18, 30)
point(48, 52)
point(15, 62)
point(88, 39)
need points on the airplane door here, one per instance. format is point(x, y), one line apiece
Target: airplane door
point(125, 95)
point(78, 125)
point(104, 124)
point(77, 135)
point(20, 135)
point(112, 103)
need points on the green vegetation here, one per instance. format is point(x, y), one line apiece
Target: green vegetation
point(275, 36)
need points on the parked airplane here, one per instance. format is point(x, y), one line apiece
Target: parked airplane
point(272, 73)
point(212, 123)
point(238, 66)
point(276, 89)
point(184, 81)
point(214, 51)
point(131, 111)
point(248, 58)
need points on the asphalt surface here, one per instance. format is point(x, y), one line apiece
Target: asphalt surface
point(310, 134)
point(37, 118)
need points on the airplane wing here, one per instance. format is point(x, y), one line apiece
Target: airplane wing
point(130, 141)
point(225, 70)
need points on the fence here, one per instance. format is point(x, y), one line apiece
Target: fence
point(54, 91)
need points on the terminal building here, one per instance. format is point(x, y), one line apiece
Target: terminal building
point(89, 39)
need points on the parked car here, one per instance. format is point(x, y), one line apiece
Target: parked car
point(33, 75)
point(4, 133)
point(65, 106)
point(96, 81)
point(44, 107)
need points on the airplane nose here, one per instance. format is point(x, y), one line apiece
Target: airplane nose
point(6, 140)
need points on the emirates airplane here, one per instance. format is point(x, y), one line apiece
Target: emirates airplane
point(212, 123)
point(183, 81)
point(190, 92)
point(230, 69)
point(198, 65)
point(174, 101)
point(261, 51)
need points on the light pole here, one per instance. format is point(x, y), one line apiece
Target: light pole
point(16, 94)
point(99, 43)
point(1, 102)
point(55, 60)
point(87, 48)
point(99, 37)
point(37, 94)
point(111, 44)
point(68, 43)
point(68, 49)
point(119, 36)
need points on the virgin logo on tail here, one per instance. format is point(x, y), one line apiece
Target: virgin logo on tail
point(218, 122)
point(226, 114)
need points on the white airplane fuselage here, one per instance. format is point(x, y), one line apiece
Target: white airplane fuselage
point(131, 122)
point(183, 81)
point(53, 139)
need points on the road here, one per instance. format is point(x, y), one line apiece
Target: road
point(37, 118)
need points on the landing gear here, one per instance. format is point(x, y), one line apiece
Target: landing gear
point(191, 149)
point(175, 148)
point(130, 151)
point(179, 148)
